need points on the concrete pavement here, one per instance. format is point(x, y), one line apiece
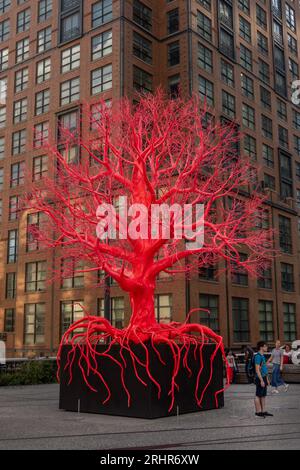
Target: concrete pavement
point(30, 419)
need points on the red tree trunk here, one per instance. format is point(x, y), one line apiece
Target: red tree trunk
point(142, 307)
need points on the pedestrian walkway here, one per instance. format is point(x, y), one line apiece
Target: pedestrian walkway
point(30, 419)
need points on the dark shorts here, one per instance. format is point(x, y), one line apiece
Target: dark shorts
point(261, 392)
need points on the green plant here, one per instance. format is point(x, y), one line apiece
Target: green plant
point(31, 373)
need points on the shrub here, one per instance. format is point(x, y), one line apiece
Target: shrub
point(31, 373)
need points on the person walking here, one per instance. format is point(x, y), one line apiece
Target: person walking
point(232, 366)
point(261, 380)
point(277, 360)
point(249, 369)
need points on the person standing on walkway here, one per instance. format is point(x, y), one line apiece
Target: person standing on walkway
point(277, 360)
point(261, 380)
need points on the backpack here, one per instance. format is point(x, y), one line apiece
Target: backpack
point(253, 363)
point(251, 367)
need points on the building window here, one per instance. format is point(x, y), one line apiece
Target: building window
point(290, 17)
point(42, 102)
point(1, 179)
point(35, 277)
point(173, 21)
point(173, 85)
point(72, 276)
point(266, 328)
point(66, 5)
point(44, 10)
point(2, 117)
point(117, 310)
point(34, 328)
point(69, 91)
point(17, 174)
point(40, 167)
point(4, 30)
point(265, 280)
point(261, 17)
point(41, 134)
point(227, 73)
point(142, 80)
point(205, 57)
point(101, 13)
point(68, 124)
point(142, 48)
point(33, 225)
point(286, 176)
point(246, 60)
point(277, 32)
point(70, 27)
point(247, 86)
point(262, 44)
point(19, 142)
point(239, 274)
point(267, 127)
point(4, 59)
point(142, 15)
point(206, 90)
point(209, 318)
point(250, 148)
point(10, 291)
point(240, 313)
point(265, 98)
point(163, 308)
point(21, 80)
point(268, 155)
point(287, 277)
point(13, 208)
point(248, 116)
point(204, 26)
point(44, 39)
point(285, 234)
point(269, 182)
point(102, 45)
point(5, 5)
point(70, 59)
point(70, 311)
point(20, 110)
point(283, 137)
point(289, 322)
point(264, 71)
point(2, 147)
point(293, 45)
point(208, 272)
point(43, 70)
point(12, 246)
point(9, 320)
point(22, 50)
point(101, 79)
point(281, 110)
point(228, 104)
point(244, 5)
point(245, 29)
point(23, 20)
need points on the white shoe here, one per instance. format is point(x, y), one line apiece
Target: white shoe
point(274, 391)
point(286, 387)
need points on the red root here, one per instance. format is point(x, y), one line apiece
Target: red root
point(90, 331)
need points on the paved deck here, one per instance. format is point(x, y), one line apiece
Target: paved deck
point(30, 419)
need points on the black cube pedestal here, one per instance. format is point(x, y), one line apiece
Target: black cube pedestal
point(144, 400)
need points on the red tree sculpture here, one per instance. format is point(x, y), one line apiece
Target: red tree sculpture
point(157, 151)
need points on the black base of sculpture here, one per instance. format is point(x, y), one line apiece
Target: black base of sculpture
point(144, 401)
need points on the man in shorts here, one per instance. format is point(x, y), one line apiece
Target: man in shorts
point(261, 380)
